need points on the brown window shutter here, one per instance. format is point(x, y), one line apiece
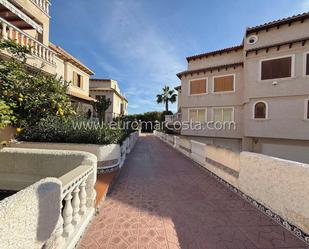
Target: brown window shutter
point(260, 110)
point(225, 83)
point(307, 109)
point(74, 78)
point(198, 86)
point(276, 68)
point(307, 64)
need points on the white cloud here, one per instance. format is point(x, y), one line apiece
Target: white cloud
point(137, 42)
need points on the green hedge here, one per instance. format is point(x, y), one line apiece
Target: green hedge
point(72, 130)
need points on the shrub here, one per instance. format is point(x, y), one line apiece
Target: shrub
point(72, 130)
point(30, 93)
point(6, 115)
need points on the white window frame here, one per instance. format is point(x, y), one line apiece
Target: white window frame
point(266, 112)
point(278, 57)
point(306, 109)
point(222, 107)
point(198, 108)
point(305, 64)
point(199, 94)
point(224, 92)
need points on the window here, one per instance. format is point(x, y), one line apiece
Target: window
point(77, 79)
point(260, 110)
point(224, 83)
point(307, 63)
point(223, 114)
point(197, 115)
point(198, 86)
point(276, 68)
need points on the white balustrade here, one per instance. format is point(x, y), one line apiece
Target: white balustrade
point(43, 5)
point(78, 208)
point(9, 31)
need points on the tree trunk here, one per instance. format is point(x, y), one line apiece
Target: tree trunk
point(166, 105)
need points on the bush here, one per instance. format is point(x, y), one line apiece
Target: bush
point(30, 93)
point(6, 115)
point(72, 130)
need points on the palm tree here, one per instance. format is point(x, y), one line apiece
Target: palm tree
point(167, 96)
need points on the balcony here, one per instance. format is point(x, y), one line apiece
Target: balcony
point(38, 49)
point(43, 5)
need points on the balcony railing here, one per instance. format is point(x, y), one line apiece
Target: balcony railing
point(173, 118)
point(43, 5)
point(38, 49)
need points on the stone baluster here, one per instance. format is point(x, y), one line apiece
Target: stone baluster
point(4, 31)
point(67, 216)
point(75, 205)
point(10, 35)
point(40, 51)
point(27, 42)
point(22, 39)
point(83, 198)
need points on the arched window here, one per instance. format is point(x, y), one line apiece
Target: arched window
point(260, 110)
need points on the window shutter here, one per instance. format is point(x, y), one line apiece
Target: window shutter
point(225, 83)
point(276, 68)
point(260, 110)
point(198, 86)
point(307, 64)
point(307, 109)
point(74, 78)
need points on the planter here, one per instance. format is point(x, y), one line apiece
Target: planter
point(109, 156)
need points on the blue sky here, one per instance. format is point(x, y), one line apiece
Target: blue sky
point(143, 43)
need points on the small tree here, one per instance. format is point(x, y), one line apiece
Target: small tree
point(30, 94)
point(100, 106)
point(167, 96)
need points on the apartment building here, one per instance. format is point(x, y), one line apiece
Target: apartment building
point(73, 71)
point(262, 85)
point(110, 89)
point(27, 22)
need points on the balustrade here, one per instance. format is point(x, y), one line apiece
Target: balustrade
point(9, 31)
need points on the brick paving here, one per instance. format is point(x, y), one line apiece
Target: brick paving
point(164, 200)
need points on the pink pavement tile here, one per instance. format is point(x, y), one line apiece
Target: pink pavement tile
point(164, 200)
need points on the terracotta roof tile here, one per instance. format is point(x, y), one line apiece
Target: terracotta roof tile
point(206, 69)
point(67, 57)
point(275, 23)
point(220, 51)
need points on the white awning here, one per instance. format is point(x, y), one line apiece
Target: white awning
point(22, 15)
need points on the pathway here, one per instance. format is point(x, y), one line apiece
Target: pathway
point(164, 200)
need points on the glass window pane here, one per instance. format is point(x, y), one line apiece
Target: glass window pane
point(193, 115)
point(218, 114)
point(201, 116)
point(227, 114)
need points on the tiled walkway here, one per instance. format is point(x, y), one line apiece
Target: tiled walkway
point(164, 200)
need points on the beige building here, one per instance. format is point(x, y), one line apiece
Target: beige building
point(77, 74)
point(262, 85)
point(110, 89)
point(27, 22)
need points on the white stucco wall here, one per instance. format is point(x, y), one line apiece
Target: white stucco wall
point(29, 217)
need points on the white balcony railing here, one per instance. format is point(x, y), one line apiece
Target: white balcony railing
point(173, 118)
point(78, 196)
point(42, 4)
point(38, 49)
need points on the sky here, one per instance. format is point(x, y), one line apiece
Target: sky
point(143, 43)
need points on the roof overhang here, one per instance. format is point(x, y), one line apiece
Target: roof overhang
point(210, 69)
